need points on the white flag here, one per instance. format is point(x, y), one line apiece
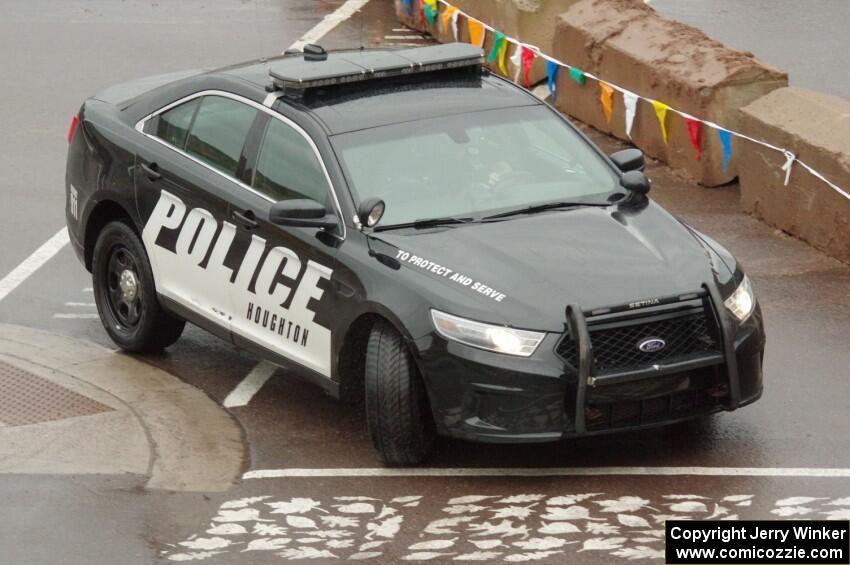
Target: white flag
point(630, 100)
point(455, 14)
point(516, 59)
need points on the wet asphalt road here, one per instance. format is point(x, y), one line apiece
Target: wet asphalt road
point(63, 54)
point(806, 39)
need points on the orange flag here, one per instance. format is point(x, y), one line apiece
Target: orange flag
point(476, 32)
point(606, 97)
point(661, 112)
point(447, 17)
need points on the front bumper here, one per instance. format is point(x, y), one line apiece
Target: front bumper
point(490, 397)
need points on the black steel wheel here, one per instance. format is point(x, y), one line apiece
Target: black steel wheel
point(125, 295)
point(400, 422)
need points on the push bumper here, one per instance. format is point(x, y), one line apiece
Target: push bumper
point(489, 397)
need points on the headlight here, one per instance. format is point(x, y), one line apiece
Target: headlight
point(742, 302)
point(486, 336)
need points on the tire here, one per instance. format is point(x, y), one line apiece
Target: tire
point(127, 303)
point(400, 422)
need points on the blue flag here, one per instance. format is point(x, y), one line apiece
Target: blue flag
point(409, 5)
point(726, 140)
point(552, 78)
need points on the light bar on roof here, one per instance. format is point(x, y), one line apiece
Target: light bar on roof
point(359, 66)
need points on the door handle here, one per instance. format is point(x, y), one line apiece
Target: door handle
point(151, 171)
point(246, 219)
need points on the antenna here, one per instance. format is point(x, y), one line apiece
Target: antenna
point(258, 20)
point(362, 47)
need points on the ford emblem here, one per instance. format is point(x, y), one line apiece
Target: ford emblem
point(652, 344)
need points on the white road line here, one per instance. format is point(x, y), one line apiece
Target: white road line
point(81, 304)
point(804, 472)
point(404, 37)
point(76, 316)
point(245, 391)
point(329, 22)
point(88, 289)
point(32, 263)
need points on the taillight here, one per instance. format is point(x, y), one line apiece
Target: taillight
point(73, 129)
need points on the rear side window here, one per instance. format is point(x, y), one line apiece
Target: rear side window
point(173, 126)
point(288, 168)
point(219, 132)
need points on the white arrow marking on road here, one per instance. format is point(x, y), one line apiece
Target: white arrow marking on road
point(554, 472)
point(250, 385)
point(32, 263)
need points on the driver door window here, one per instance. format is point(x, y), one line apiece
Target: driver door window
point(288, 168)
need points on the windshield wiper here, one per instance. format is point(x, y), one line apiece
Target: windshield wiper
point(426, 223)
point(543, 208)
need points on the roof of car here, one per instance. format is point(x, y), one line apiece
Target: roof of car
point(362, 105)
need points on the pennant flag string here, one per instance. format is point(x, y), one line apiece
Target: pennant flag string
point(524, 55)
point(552, 78)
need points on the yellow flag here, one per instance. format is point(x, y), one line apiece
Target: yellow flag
point(476, 32)
point(606, 97)
point(447, 16)
point(661, 111)
point(503, 51)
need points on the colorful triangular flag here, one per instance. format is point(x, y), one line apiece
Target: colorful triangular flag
point(503, 50)
point(726, 141)
point(476, 32)
point(528, 56)
point(694, 127)
point(577, 75)
point(661, 112)
point(552, 69)
point(606, 97)
point(516, 60)
point(498, 40)
point(430, 9)
point(630, 101)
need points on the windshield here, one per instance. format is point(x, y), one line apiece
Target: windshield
point(474, 164)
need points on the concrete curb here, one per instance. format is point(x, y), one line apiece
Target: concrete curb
point(181, 439)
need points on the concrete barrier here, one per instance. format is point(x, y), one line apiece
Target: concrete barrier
point(533, 21)
point(814, 127)
point(630, 45)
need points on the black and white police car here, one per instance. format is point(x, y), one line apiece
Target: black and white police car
point(406, 226)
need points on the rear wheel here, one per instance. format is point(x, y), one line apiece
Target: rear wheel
point(125, 295)
point(400, 421)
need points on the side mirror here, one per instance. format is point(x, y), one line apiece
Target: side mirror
point(370, 212)
point(635, 182)
point(629, 160)
point(302, 212)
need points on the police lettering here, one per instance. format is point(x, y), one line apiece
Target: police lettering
point(197, 237)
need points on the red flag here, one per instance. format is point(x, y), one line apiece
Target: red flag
point(528, 56)
point(693, 132)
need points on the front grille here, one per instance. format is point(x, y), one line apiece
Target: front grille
point(702, 396)
point(615, 343)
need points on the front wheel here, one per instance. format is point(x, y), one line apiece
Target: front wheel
point(125, 295)
point(400, 422)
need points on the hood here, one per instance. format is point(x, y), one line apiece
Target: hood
point(525, 270)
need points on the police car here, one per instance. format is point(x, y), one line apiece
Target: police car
point(409, 229)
